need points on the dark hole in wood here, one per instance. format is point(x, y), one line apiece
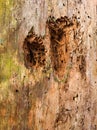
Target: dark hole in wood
point(35, 50)
point(58, 29)
point(16, 90)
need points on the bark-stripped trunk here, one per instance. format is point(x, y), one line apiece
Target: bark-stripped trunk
point(48, 77)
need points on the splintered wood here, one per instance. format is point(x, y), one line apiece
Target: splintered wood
point(66, 47)
point(34, 51)
point(61, 31)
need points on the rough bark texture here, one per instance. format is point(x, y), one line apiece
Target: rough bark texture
point(48, 65)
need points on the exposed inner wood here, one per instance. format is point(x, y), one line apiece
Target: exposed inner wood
point(34, 51)
point(60, 36)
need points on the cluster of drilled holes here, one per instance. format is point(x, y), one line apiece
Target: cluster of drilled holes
point(58, 44)
point(34, 51)
point(59, 24)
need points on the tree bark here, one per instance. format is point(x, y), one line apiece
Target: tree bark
point(48, 65)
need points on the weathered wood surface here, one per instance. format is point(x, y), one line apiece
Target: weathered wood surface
point(61, 93)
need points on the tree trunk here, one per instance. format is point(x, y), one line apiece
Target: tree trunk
point(48, 65)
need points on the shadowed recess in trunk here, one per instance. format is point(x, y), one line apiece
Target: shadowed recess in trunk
point(34, 51)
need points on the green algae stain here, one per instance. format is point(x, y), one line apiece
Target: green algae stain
point(5, 10)
point(7, 20)
point(9, 65)
point(6, 66)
